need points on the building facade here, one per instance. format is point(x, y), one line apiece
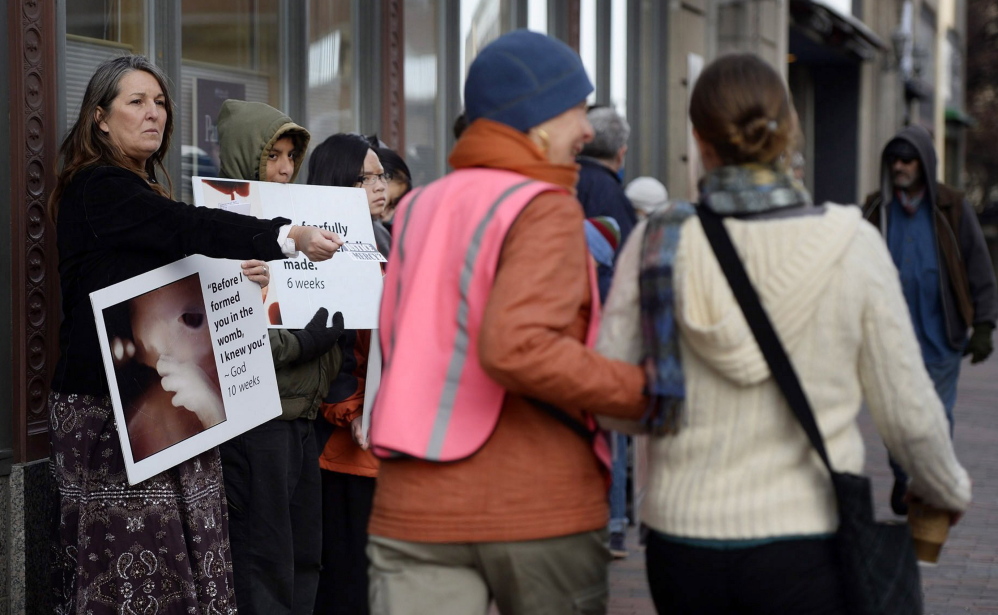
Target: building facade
point(858, 70)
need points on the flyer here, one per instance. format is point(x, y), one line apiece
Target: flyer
point(349, 283)
point(187, 357)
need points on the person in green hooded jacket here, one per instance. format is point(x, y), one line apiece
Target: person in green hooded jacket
point(271, 472)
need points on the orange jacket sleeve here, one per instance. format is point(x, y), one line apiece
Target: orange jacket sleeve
point(341, 413)
point(531, 339)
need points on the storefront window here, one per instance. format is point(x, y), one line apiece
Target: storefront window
point(421, 43)
point(331, 79)
point(537, 15)
point(97, 30)
point(230, 49)
point(618, 55)
point(481, 23)
point(589, 43)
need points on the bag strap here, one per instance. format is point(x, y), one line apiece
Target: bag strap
point(566, 419)
point(769, 343)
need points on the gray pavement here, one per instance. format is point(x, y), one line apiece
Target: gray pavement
point(966, 579)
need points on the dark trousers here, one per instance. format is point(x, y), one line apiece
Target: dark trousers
point(272, 487)
point(346, 508)
point(788, 576)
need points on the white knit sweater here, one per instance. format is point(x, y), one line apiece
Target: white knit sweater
point(741, 466)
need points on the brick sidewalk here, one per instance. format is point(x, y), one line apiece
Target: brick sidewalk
point(966, 579)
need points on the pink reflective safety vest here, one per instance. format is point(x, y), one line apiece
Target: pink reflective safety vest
point(435, 401)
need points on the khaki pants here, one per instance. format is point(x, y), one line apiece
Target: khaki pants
point(553, 576)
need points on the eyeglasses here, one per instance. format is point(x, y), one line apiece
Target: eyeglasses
point(369, 179)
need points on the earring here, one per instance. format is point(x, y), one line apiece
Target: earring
point(544, 138)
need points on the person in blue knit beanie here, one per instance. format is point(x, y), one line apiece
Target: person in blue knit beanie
point(492, 485)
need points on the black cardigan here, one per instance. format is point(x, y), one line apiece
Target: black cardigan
point(111, 227)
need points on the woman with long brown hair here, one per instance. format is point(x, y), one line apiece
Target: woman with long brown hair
point(160, 545)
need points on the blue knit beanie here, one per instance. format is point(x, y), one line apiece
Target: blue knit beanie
point(524, 78)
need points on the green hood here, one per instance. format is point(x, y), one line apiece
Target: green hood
point(247, 131)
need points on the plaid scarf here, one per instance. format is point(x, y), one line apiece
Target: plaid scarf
point(729, 191)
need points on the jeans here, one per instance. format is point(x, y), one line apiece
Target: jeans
point(618, 484)
point(944, 376)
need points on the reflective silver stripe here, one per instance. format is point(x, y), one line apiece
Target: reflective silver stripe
point(460, 354)
point(399, 255)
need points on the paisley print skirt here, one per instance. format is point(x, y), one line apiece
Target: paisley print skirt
point(161, 546)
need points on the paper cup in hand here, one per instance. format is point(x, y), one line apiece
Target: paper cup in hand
point(929, 529)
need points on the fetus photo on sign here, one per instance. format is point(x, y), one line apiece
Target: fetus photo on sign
point(164, 366)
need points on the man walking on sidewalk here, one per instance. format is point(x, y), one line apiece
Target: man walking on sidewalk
point(946, 272)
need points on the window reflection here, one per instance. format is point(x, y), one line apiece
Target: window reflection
point(230, 49)
point(117, 21)
point(98, 30)
point(421, 42)
point(331, 79)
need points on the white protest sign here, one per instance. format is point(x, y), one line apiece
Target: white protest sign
point(350, 282)
point(372, 383)
point(187, 357)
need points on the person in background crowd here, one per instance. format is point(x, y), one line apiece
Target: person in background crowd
point(946, 272)
point(603, 239)
point(599, 189)
point(602, 196)
point(272, 471)
point(742, 510)
point(348, 468)
point(488, 370)
point(163, 544)
point(399, 180)
point(647, 195)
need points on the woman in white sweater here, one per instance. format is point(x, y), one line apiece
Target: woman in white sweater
point(741, 507)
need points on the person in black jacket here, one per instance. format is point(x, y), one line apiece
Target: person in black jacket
point(161, 545)
point(599, 188)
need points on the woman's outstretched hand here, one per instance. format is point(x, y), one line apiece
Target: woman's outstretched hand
point(316, 243)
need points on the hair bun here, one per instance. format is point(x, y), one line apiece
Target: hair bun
point(753, 137)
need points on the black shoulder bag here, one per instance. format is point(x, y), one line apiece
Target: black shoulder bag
point(876, 560)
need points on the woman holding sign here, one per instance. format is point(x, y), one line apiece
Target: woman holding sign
point(162, 544)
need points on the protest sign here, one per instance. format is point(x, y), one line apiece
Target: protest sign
point(350, 282)
point(188, 363)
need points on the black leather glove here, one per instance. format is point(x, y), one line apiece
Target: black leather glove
point(316, 339)
point(980, 346)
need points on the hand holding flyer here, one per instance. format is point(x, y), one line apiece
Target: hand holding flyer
point(316, 243)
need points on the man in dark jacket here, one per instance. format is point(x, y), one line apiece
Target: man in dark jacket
point(946, 272)
point(599, 188)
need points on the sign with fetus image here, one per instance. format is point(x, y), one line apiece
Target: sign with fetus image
point(187, 357)
point(349, 283)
